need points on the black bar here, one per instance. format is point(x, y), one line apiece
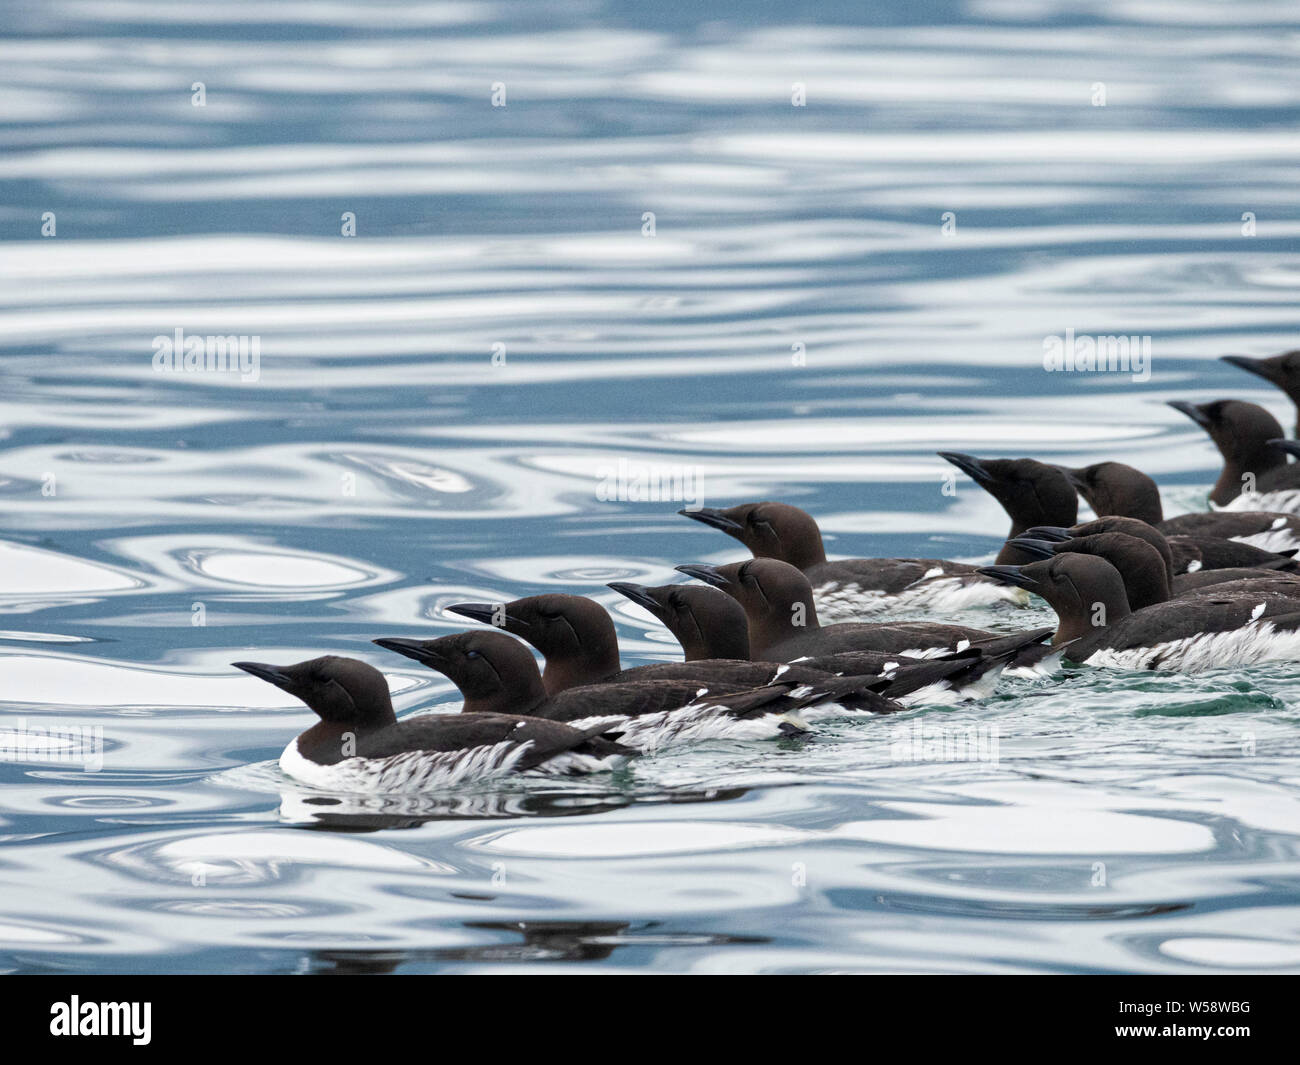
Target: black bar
point(960, 1013)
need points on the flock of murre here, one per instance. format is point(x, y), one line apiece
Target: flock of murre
point(769, 648)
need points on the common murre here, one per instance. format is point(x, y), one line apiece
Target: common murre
point(848, 588)
point(1283, 371)
point(1195, 552)
point(1183, 554)
point(1116, 489)
point(1113, 488)
point(1255, 474)
point(359, 745)
point(1031, 492)
point(706, 621)
point(1095, 620)
point(1266, 530)
point(579, 644)
point(496, 673)
point(784, 626)
point(1146, 574)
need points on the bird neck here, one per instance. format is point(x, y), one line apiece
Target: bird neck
point(1241, 471)
point(1084, 619)
point(1145, 583)
point(519, 694)
point(807, 551)
point(775, 625)
point(328, 742)
point(720, 642)
point(573, 671)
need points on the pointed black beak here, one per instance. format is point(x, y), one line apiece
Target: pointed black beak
point(639, 595)
point(707, 574)
point(1291, 447)
point(1030, 546)
point(968, 464)
point(410, 649)
point(486, 613)
point(713, 517)
point(1009, 575)
point(1192, 411)
point(271, 674)
point(1053, 533)
point(1259, 367)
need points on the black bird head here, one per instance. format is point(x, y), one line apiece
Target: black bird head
point(1031, 492)
point(1241, 431)
point(769, 530)
point(706, 622)
point(575, 635)
point(494, 673)
point(1144, 571)
point(1280, 370)
point(1112, 488)
point(498, 615)
point(1134, 527)
point(342, 691)
point(1234, 425)
point(777, 598)
point(1086, 591)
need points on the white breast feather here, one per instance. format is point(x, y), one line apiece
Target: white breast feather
point(815, 715)
point(844, 602)
point(1044, 667)
point(408, 771)
point(1259, 641)
point(1279, 538)
point(1283, 501)
point(573, 763)
point(693, 723)
point(942, 693)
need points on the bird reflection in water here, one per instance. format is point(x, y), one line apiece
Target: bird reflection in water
point(373, 813)
point(547, 941)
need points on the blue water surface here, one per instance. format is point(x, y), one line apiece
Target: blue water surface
point(776, 250)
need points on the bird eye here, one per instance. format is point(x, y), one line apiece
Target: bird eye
point(473, 654)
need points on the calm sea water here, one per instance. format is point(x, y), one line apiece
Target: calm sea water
point(831, 292)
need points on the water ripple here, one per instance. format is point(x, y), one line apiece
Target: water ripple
point(654, 257)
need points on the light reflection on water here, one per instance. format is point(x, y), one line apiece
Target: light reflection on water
point(383, 468)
